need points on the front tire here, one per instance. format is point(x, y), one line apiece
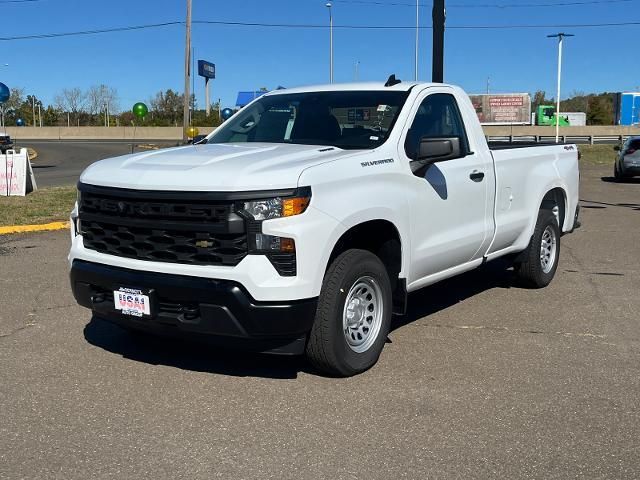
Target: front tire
point(353, 316)
point(540, 259)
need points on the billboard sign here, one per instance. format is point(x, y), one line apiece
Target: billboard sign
point(502, 108)
point(206, 69)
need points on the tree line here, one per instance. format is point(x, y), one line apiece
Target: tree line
point(100, 105)
point(599, 107)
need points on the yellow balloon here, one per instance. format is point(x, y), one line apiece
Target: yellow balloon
point(192, 131)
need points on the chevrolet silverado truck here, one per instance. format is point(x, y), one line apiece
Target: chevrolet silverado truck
point(300, 225)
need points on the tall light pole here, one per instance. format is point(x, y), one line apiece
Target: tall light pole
point(329, 5)
point(187, 73)
point(417, 36)
point(439, 17)
point(560, 37)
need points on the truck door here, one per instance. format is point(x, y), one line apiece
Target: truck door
point(448, 202)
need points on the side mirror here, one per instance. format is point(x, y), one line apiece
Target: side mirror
point(617, 148)
point(433, 150)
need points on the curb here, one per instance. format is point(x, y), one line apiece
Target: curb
point(34, 228)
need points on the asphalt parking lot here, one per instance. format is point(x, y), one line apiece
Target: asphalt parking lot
point(481, 379)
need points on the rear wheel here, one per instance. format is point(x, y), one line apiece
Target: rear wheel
point(353, 316)
point(540, 259)
point(616, 173)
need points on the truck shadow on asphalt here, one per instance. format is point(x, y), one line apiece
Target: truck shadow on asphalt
point(442, 295)
point(199, 357)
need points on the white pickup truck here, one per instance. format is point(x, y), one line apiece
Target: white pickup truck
point(300, 225)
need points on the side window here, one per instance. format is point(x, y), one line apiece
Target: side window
point(438, 116)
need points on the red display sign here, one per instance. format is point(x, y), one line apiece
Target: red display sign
point(500, 109)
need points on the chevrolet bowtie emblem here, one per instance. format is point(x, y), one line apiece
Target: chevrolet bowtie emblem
point(204, 244)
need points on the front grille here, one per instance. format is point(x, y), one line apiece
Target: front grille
point(162, 227)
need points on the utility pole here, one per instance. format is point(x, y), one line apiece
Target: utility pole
point(33, 108)
point(192, 97)
point(40, 113)
point(187, 73)
point(439, 17)
point(488, 83)
point(560, 37)
point(356, 73)
point(417, 36)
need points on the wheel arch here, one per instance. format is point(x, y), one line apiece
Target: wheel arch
point(556, 197)
point(382, 238)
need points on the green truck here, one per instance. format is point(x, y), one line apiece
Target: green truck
point(546, 115)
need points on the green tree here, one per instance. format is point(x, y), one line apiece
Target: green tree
point(600, 111)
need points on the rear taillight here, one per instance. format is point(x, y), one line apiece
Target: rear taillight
point(630, 151)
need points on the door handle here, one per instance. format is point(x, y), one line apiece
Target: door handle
point(476, 176)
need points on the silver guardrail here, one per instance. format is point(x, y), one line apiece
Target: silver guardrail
point(579, 139)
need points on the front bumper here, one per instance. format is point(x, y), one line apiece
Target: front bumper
point(221, 311)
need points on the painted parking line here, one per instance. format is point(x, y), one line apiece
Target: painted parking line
point(34, 228)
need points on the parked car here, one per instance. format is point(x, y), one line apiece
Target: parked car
point(304, 221)
point(5, 143)
point(628, 159)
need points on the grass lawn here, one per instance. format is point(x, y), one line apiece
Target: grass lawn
point(598, 154)
point(42, 206)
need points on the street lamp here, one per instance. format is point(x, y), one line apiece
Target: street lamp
point(560, 37)
point(329, 5)
point(417, 35)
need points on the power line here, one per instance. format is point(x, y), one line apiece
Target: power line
point(19, 1)
point(309, 26)
point(412, 27)
point(489, 5)
point(89, 32)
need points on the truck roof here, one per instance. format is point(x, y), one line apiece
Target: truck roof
point(354, 86)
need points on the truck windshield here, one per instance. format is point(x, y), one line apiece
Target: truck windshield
point(344, 119)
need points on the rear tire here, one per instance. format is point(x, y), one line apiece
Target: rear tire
point(616, 173)
point(540, 259)
point(353, 316)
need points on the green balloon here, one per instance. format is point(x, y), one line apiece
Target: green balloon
point(140, 110)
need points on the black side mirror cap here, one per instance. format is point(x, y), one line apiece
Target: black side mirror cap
point(435, 149)
point(617, 148)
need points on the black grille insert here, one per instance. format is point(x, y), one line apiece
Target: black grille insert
point(179, 230)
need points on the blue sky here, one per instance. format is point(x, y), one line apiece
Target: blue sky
point(139, 63)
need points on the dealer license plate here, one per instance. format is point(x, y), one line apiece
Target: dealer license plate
point(132, 301)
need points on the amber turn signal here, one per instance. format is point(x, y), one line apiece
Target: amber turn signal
point(294, 206)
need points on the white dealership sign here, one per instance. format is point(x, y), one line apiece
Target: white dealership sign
point(16, 174)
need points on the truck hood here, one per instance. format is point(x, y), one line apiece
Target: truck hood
point(216, 167)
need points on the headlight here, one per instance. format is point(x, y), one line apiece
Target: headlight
point(277, 207)
point(264, 209)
